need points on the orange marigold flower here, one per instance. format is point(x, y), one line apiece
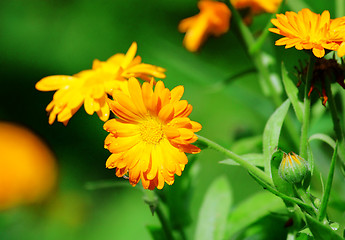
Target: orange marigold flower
point(92, 87)
point(149, 139)
point(305, 30)
point(213, 19)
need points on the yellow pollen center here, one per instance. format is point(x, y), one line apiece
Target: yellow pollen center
point(151, 131)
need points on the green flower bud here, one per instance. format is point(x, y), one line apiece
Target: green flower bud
point(293, 168)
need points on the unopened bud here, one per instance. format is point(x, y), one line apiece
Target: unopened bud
point(293, 168)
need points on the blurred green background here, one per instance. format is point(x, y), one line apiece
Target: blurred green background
point(39, 38)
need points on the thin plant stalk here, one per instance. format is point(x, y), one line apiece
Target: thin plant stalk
point(265, 79)
point(253, 169)
point(164, 222)
point(336, 121)
point(306, 111)
point(325, 197)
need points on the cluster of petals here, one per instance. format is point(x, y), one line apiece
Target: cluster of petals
point(255, 7)
point(310, 31)
point(214, 19)
point(91, 87)
point(151, 135)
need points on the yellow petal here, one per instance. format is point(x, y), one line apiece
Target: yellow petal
point(54, 82)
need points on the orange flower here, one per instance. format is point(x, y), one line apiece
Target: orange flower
point(337, 34)
point(149, 139)
point(28, 170)
point(130, 65)
point(250, 8)
point(92, 87)
point(307, 30)
point(213, 19)
point(257, 6)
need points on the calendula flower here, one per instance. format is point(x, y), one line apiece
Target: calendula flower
point(213, 19)
point(305, 30)
point(151, 135)
point(91, 87)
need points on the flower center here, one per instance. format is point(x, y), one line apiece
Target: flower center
point(151, 131)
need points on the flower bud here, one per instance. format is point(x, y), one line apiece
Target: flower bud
point(293, 168)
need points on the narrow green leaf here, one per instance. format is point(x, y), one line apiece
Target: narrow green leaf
point(283, 196)
point(297, 5)
point(292, 92)
point(257, 159)
point(156, 232)
point(250, 211)
point(280, 184)
point(214, 211)
point(323, 137)
point(248, 144)
point(321, 231)
point(106, 184)
point(325, 197)
point(272, 132)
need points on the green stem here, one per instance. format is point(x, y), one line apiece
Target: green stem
point(339, 8)
point(336, 122)
point(306, 113)
point(166, 228)
point(251, 168)
point(325, 197)
point(264, 74)
point(305, 197)
point(287, 198)
point(151, 199)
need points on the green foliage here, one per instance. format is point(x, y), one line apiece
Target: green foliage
point(279, 183)
point(256, 159)
point(292, 92)
point(250, 211)
point(214, 211)
point(321, 231)
point(272, 132)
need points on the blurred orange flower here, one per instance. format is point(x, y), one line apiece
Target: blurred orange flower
point(257, 6)
point(213, 19)
point(251, 8)
point(308, 30)
point(91, 87)
point(149, 139)
point(27, 167)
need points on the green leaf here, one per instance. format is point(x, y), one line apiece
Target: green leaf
point(214, 211)
point(272, 132)
point(292, 92)
point(280, 184)
point(108, 184)
point(321, 231)
point(325, 197)
point(248, 144)
point(256, 159)
point(156, 232)
point(323, 137)
point(250, 211)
